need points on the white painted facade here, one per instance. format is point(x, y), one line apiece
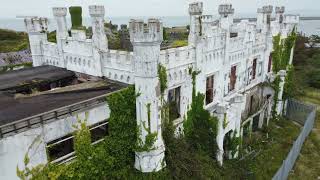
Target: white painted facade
point(215, 46)
point(33, 141)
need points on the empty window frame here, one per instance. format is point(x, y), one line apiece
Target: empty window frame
point(254, 69)
point(174, 103)
point(233, 78)
point(61, 150)
point(209, 89)
point(270, 63)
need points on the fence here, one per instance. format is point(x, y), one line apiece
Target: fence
point(303, 114)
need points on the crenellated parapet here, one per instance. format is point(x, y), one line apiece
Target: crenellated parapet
point(59, 11)
point(36, 24)
point(151, 32)
point(96, 11)
point(266, 9)
point(196, 8)
point(226, 9)
point(279, 10)
point(291, 19)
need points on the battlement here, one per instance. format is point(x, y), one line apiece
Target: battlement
point(36, 24)
point(291, 19)
point(280, 10)
point(96, 11)
point(226, 9)
point(150, 32)
point(196, 8)
point(59, 11)
point(266, 9)
point(207, 18)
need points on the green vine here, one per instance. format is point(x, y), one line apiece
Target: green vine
point(282, 51)
point(276, 87)
point(150, 139)
point(162, 74)
point(200, 128)
point(225, 121)
point(76, 17)
point(234, 144)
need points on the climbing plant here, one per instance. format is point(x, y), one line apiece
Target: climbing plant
point(162, 74)
point(276, 87)
point(76, 17)
point(200, 128)
point(113, 158)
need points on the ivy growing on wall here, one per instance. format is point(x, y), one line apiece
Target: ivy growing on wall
point(76, 17)
point(200, 128)
point(282, 51)
point(112, 158)
point(276, 87)
point(162, 74)
point(150, 138)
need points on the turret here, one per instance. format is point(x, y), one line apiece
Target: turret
point(60, 14)
point(37, 30)
point(146, 40)
point(195, 12)
point(279, 14)
point(264, 18)
point(99, 37)
point(226, 12)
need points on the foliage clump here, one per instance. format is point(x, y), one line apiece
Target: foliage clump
point(200, 128)
point(76, 17)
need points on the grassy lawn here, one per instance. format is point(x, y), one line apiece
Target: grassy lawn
point(266, 149)
point(308, 164)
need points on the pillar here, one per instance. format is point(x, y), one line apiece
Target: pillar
point(146, 52)
point(282, 74)
point(99, 37)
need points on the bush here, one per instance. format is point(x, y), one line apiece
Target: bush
point(76, 17)
point(314, 78)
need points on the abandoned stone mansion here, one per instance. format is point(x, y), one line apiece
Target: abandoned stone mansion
point(234, 60)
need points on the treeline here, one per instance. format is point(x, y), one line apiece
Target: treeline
point(307, 63)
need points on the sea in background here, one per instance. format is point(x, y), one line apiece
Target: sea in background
point(307, 27)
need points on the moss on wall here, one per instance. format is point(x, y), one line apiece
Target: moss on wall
point(76, 17)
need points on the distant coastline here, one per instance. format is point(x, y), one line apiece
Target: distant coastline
point(308, 25)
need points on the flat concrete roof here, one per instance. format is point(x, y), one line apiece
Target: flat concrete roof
point(15, 107)
point(35, 75)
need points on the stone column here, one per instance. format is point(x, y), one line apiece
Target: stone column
point(146, 52)
point(240, 103)
point(282, 74)
point(221, 111)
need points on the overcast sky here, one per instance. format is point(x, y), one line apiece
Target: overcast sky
point(12, 8)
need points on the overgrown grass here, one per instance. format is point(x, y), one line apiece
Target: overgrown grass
point(308, 164)
point(179, 43)
point(12, 41)
point(270, 148)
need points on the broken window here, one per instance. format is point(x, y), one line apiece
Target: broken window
point(61, 150)
point(268, 19)
point(233, 78)
point(254, 69)
point(209, 89)
point(281, 19)
point(232, 35)
point(270, 63)
point(174, 103)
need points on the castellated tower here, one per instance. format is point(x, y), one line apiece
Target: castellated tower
point(37, 30)
point(279, 14)
point(60, 14)
point(146, 40)
point(264, 18)
point(195, 11)
point(99, 37)
point(226, 15)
